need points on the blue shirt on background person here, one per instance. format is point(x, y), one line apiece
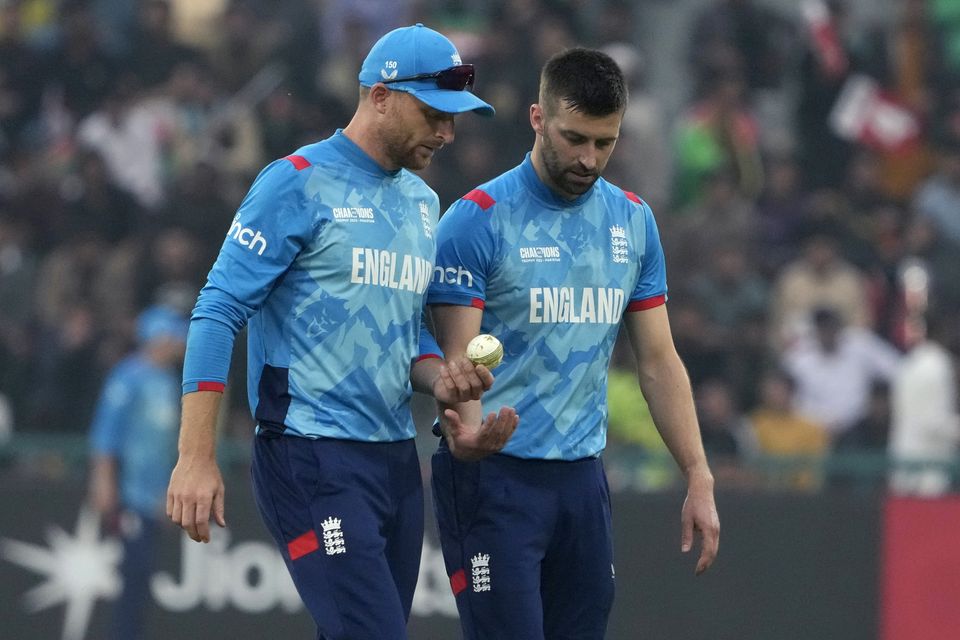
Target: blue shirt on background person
point(138, 413)
point(133, 446)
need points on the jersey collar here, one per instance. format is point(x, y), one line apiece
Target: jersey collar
point(545, 193)
point(358, 157)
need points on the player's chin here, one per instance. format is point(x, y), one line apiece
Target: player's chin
point(420, 158)
point(579, 185)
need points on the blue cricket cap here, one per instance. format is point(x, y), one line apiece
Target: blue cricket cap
point(161, 322)
point(414, 51)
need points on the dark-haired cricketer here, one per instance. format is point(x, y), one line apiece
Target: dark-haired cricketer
point(552, 259)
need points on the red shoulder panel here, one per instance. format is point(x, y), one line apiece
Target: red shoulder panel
point(299, 162)
point(482, 198)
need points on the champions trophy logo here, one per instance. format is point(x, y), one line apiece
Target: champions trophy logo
point(619, 249)
point(333, 541)
point(480, 572)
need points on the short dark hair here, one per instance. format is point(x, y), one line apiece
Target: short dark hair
point(588, 80)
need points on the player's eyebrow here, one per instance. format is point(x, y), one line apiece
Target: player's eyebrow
point(574, 134)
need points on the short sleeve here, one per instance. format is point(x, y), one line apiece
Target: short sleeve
point(651, 289)
point(466, 251)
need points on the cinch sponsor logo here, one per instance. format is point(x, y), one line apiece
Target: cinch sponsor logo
point(573, 306)
point(247, 236)
point(353, 214)
point(453, 275)
point(539, 254)
point(390, 269)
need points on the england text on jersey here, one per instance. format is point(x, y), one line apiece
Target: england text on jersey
point(383, 268)
point(576, 306)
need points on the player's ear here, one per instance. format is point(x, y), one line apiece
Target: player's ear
point(536, 118)
point(378, 97)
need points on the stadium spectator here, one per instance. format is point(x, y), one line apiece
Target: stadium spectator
point(154, 50)
point(818, 277)
point(20, 79)
point(780, 432)
point(872, 433)
point(938, 198)
point(92, 197)
point(643, 133)
point(740, 36)
point(727, 438)
point(826, 64)
point(722, 216)
point(925, 434)
point(779, 215)
point(717, 134)
point(835, 368)
point(130, 136)
point(939, 254)
point(79, 71)
point(729, 291)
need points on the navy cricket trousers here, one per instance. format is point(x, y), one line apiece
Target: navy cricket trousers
point(348, 518)
point(528, 545)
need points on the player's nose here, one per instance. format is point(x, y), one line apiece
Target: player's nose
point(445, 131)
point(588, 160)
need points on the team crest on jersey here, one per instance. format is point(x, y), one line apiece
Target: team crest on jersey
point(619, 249)
point(425, 218)
point(333, 542)
point(480, 572)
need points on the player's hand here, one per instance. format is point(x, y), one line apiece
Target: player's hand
point(460, 380)
point(472, 443)
point(699, 516)
point(195, 494)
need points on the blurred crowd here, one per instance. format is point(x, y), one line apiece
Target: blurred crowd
point(807, 191)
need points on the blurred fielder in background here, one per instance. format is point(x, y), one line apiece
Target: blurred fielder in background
point(133, 445)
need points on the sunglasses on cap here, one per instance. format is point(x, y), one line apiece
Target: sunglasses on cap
point(455, 78)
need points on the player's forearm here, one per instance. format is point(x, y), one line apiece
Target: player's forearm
point(103, 465)
point(471, 413)
point(198, 433)
point(103, 471)
point(424, 373)
point(666, 387)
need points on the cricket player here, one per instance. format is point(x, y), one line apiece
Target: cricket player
point(551, 259)
point(329, 258)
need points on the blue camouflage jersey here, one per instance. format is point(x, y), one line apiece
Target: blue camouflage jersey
point(329, 257)
point(136, 422)
point(553, 278)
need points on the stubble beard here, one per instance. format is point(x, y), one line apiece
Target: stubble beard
point(400, 148)
point(558, 173)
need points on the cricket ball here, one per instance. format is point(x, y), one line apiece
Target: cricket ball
point(486, 350)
